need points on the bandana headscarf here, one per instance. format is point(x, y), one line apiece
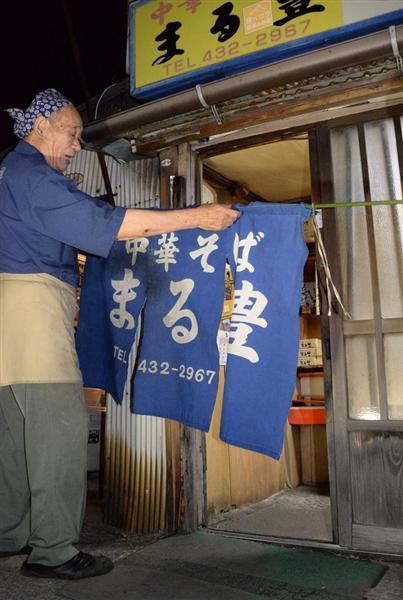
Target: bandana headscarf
point(44, 104)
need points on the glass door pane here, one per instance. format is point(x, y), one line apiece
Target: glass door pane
point(385, 184)
point(393, 344)
point(351, 228)
point(362, 379)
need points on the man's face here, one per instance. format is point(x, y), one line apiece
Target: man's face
point(62, 140)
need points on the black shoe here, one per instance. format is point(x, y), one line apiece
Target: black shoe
point(24, 550)
point(80, 566)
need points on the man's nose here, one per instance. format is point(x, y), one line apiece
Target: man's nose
point(77, 145)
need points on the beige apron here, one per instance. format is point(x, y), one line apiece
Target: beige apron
point(36, 330)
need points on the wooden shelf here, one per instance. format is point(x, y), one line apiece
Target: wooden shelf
point(307, 415)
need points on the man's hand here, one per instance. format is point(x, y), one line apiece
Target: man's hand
point(215, 217)
point(139, 222)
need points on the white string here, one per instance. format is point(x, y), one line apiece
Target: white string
point(100, 98)
point(330, 286)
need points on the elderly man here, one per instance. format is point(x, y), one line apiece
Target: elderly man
point(44, 218)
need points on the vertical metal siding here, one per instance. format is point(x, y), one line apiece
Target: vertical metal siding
point(135, 453)
point(135, 469)
point(135, 185)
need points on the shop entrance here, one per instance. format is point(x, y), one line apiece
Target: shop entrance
point(340, 483)
point(250, 493)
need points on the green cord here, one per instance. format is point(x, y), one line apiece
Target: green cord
point(353, 204)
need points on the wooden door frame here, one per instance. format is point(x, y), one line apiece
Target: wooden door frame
point(350, 534)
point(319, 159)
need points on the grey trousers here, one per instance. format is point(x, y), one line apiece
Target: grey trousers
point(43, 471)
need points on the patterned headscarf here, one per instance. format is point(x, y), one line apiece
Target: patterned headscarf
point(44, 104)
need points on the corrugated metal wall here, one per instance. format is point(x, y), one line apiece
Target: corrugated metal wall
point(135, 469)
point(135, 452)
point(136, 185)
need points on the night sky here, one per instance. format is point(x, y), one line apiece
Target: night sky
point(36, 52)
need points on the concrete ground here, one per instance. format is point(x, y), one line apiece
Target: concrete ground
point(200, 566)
point(300, 513)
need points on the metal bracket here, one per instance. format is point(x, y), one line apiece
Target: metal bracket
point(213, 107)
point(395, 48)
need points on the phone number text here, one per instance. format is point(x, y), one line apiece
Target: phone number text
point(153, 367)
point(274, 36)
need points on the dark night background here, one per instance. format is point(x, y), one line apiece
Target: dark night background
point(36, 51)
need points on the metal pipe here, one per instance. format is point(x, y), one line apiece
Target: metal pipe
point(361, 50)
point(353, 204)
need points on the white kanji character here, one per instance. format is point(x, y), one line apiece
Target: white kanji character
point(242, 262)
point(207, 246)
point(135, 246)
point(124, 293)
point(166, 254)
point(180, 333)
point(248, 307)
point(238, 337)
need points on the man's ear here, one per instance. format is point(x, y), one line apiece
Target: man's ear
point(41, 126)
